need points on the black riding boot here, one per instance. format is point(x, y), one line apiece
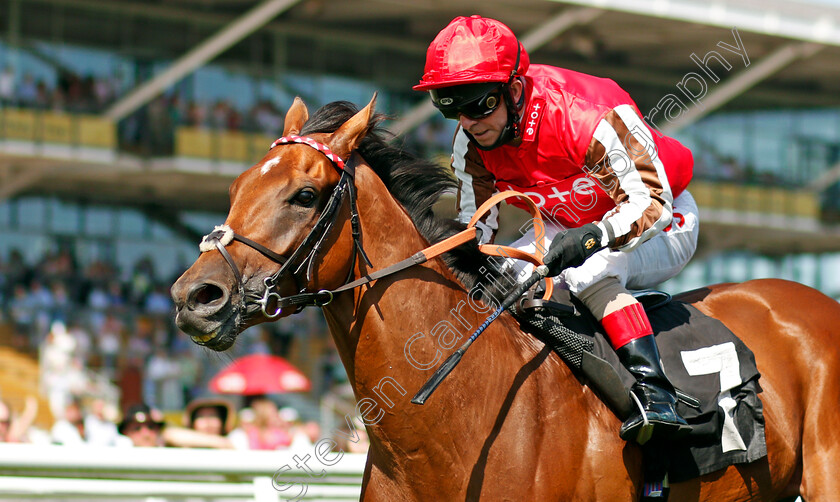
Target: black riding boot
point(655, 392)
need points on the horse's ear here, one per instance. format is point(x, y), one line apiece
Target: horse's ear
point(349, 136)
point(295, 117)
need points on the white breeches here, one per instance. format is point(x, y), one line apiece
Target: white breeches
point(654, 261)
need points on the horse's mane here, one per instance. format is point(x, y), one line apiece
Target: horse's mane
point(415, 183)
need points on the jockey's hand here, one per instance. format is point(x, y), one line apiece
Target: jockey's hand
point(572, 248)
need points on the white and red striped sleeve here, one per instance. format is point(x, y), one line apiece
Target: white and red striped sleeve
point(623, 157)
point(475, 186)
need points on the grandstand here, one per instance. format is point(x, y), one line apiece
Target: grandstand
point(122, 123)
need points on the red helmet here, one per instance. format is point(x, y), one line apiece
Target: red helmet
point(473, 50)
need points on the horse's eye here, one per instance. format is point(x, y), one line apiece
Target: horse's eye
point(305, 197)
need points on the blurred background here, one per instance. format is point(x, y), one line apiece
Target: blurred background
point(122, 123)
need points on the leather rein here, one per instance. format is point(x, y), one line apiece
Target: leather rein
point(313, 242)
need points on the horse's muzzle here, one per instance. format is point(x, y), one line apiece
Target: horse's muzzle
point(203, 310)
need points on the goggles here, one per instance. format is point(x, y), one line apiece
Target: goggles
point(473, 101)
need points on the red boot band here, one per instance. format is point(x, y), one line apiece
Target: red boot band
point(625, 325)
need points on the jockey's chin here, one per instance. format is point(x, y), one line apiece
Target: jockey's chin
point(486, 138)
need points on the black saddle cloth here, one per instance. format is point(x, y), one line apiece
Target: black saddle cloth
point(702, 358)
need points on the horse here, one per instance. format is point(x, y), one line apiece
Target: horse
point(512, 422)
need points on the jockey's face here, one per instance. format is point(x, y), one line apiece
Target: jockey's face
point(487, 130)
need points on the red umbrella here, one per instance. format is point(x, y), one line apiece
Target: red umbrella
point(259, 374)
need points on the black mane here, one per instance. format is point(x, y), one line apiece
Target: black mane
point(417, 185)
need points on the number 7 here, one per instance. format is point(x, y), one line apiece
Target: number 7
point(722, 359)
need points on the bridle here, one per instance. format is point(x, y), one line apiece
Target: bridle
point(308, 249)
point(314, 241)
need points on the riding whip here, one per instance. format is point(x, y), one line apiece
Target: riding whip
point(453, 360)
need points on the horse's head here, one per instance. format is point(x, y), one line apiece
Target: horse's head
point(273, 243)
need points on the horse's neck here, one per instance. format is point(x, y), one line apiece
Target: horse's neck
point(392, 335)
point(384, 312)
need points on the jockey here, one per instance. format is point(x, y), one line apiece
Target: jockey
point(611, 189)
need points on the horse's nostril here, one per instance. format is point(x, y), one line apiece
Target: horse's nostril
point(205, 294)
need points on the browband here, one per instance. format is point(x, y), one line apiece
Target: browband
point(293, 138)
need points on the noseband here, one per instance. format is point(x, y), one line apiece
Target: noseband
point(308, 249)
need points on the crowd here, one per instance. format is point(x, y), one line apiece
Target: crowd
point(206, 423)
point(70, 92)
point(150, 130)
point(110, 357)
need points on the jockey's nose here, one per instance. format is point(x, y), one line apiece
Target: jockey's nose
point(465, 121)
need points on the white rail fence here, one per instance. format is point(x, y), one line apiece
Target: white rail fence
point(87, 473)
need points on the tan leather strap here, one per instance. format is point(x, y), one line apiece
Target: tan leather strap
point(449, 243)
point(456, 240)
point(506, 251)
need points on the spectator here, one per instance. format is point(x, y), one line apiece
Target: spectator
point(5, 421)
point(209, 423)
point(61, 377)
point(55, 100)
point(81, 338)
point(163, 387)
point(220, 115)
point(16, 270)
point(7, 87)
point(304, 434)
point(118, 84)
point(116, 298)
point(16, 429)
point(103, 92)
point(140, 341)
point(189, 369)
point(256, 340)
point(267, 119)
point(70, 428)
point(42, 301)
point(268, 430)
point(28, 91)
point(22, 313)
point(158, 302)
point(100, 429)
point(197, 115)
point(109, 341)
point(308, 433)
point(143, 426)
point(160, 127)
point(142, 281)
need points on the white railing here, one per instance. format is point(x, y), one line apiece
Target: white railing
point(85, 473)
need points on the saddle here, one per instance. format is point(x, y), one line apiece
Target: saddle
point(714, 373)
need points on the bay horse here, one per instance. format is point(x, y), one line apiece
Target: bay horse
point(511, 423)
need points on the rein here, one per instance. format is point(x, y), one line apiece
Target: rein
point(223, 235)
